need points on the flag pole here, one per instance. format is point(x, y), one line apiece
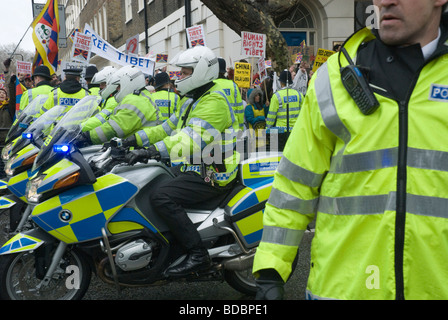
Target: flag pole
point(12, 54)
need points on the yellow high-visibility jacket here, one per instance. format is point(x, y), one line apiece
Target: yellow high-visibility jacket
point(377, 184)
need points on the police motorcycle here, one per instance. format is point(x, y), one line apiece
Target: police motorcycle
point(19, 166)
point(95, 214)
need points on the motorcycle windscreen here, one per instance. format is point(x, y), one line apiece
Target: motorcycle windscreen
point(67, 130)
point(38, 128)
point(26, 117)
point(79, 214)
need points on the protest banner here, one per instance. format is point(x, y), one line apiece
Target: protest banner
point(253, 44)
point(81, 49)
point(107, 51)
point(321, 58)
point(196, 36)
point(262, 69)
point(242, 74)
point(23, 67)
point(132, 45)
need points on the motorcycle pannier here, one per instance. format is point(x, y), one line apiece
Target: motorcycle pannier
point(245, 210)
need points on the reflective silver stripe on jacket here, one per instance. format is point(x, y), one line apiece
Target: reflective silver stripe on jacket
point(298, 174)
point(144, 138)
point(136, 110)
point(282, 236)
point(327, 107)
point(283, 200)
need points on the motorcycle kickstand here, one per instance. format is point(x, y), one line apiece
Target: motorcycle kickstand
point(54, 264)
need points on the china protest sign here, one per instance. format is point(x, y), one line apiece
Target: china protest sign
point(242, 74)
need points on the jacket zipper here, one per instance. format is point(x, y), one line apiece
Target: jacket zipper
point(400, 218)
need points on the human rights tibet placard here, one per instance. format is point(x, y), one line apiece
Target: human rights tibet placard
point(82, 46)
point(196, 36)
point(253, 44)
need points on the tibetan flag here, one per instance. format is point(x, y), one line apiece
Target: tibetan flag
point(257, 82)
point(302, 45)
point(20, 89)
point(162, 58)
point(174, 75)
point(195, 43)
point(82, 53)
point(46, 36)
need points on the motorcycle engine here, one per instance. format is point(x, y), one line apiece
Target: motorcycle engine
point(134, 255)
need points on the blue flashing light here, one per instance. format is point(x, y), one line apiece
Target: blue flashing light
point(27, 135)
point(61, 148)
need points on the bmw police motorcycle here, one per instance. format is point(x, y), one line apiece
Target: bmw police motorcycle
point(93, 214)
point(27, 136)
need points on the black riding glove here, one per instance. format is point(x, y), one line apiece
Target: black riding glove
point(142, 155)
point(83, 140)
point(270, 286)
point(130, 141)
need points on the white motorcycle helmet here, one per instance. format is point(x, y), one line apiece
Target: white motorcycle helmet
point(104, 76)
point(129, 79)
point(205, 68)
point(101, 77)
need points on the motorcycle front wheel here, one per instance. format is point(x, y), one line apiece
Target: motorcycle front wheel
point(18, 279)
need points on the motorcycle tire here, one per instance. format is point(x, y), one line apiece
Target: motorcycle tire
point(18, 279)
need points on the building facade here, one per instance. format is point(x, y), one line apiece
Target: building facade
point(321, 23)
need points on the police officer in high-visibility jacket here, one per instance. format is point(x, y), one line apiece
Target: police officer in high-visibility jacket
point(135, 110)
point(164, 97)
point(41, 77)
point(285, 104)
point(232, 92)
point(68, 93)
point(206, 120)
point(284, 110)
point(93, 87)
point(374, 173)
point(107, 92)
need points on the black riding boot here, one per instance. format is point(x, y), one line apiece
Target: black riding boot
point(196, 260)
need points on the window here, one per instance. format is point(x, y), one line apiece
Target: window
point(128, 10)
point(299, 19)
point(141, 5)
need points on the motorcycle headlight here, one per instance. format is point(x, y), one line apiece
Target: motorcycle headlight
point(27, 162)
point(31, 189)
point(8, 170)
point(6, 150)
